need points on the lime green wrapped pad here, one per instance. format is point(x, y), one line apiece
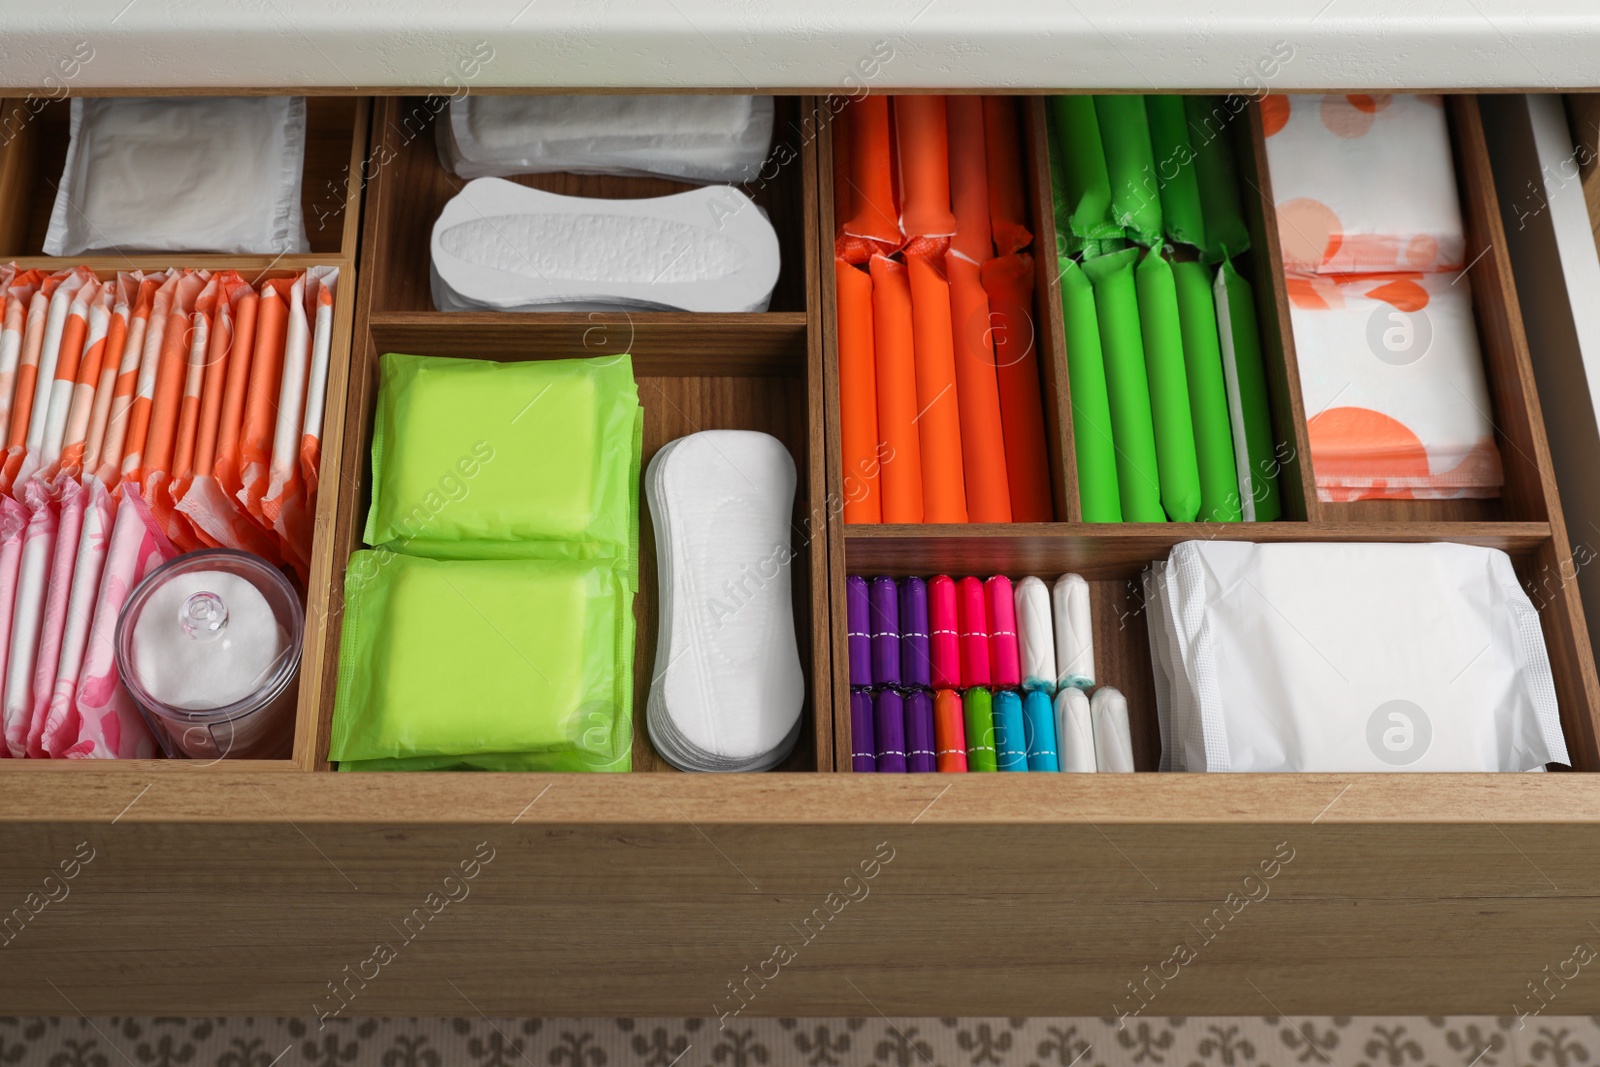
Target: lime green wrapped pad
point(1211, 137)
point(1085, 182)
point(1092, 437)
point(499, 664)
point(1208, 394)
point(1174, 156)
point(1116, 304)
point(1249, 416)
point(473, 459)
point(1125, 134)
point(1169, 388)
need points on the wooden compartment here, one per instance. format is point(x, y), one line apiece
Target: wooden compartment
point(32, 151)
point(1526, 522)
point(695, 372)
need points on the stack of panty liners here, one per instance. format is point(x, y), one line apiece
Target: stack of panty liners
point(1348, 657)
point(500, 246)
point(688, 138)
point(726, 691)
point(182, 174)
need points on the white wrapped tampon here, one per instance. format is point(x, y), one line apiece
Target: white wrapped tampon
point(1035, 635)
point(1074, 632)
point(1113, 742)
point(1074, 731)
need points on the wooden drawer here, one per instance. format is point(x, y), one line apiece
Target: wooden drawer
point(251, 887)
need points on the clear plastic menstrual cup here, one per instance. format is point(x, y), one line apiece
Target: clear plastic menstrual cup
point(208, 645)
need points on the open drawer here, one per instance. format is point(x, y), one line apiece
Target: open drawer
point(300, 890)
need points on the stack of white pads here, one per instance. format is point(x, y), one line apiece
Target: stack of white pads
point(727, 689)
point(1348, 657)
point(500, 246)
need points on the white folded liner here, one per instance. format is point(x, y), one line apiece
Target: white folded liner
point(182, 174)
point(1351, 657)
point(505, 247)
point(727, 688)
point(704, 138)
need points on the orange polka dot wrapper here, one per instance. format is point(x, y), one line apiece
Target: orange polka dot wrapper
point(1396, 401)
point(1364, 183)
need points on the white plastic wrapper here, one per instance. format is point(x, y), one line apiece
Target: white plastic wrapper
point(182, 174)
point(1349, 657)
point(713, 138)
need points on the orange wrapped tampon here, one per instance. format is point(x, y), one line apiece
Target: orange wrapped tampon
point(81, 406)
point(944, 491)
point(144, 390)
point(110, 363)
point(142, 292)
point(900, 456)
point(1009, 283)
point(230, 421)
point(171, 370)
point(969, 178)
point(1003, 145)
point(872, 175)
point(924, 160)
point(983, 451)
point(858, 396)
point(261, 401)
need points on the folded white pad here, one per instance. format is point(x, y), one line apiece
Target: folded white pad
point(689, 138)
point(1349, 657)
point(182, 174)
point(727, 689)
point(505, 247)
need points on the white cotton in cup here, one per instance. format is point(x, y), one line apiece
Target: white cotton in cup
point(198, 673)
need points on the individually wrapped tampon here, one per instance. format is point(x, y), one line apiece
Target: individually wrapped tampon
point(972, 616)
point(858, 395)
point(1178, 470)
point(1039, 731)
point(884, 621)
point(977, 707)
point(915, 667)
point(863, 752)
point(983, 450)
point(1093, 441)
point(1002, 146)
point(920, 758)
point(1036, 638)
point(900, 449)
point(1113, 741)
point(1010, 735)
point(944, 640)
point(858, 629)
point(1005, 660)
point(889, 731)
point(969, 181)
point(949, 732)
point(1074, 632)
point(1075, 731)
point(923, 159)
point(938, 418)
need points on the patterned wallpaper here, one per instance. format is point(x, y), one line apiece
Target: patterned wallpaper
point(1378, 1041)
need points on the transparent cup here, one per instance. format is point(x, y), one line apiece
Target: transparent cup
point(261, 724)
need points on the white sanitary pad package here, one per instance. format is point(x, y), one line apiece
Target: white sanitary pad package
point(1348, 657)
point(504, 247)
point(689, 138)
point(726, 690)
point(182, 174)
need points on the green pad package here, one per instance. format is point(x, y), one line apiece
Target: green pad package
point(1180, 191)
point(473, 459)
point(1116, 304)
point(1169, 388)
point(1211, 137)
point(496, 664)
point(1125, 134)
point(1092, 438)
point(1254, 454)
point(1085, 183)
point(1208, 394)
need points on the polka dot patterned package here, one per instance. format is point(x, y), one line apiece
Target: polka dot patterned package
point(1364, 183)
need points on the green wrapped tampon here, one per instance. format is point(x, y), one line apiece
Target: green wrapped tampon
point(1180, 191)
point(1083, 167)
point(1248, 414)
point(1212, 140)
point(1208, 394)
point(1125, 135)
point(1092, 439)
point(978, 709)
point(1116, 304)
point(1169, 388)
